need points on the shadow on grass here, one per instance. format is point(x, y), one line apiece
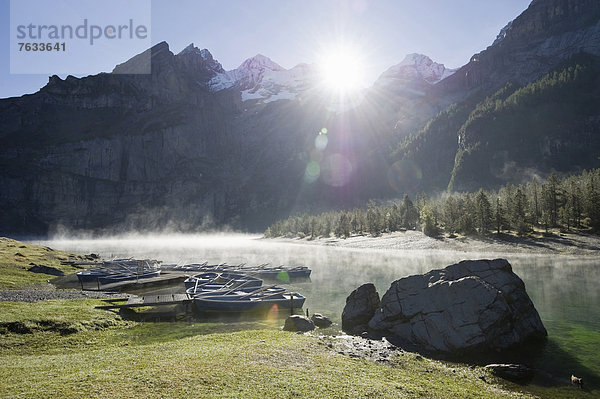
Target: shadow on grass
point(176, 323)
point(552, 365)
point(542, 243)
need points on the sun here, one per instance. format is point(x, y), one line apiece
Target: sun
point(341, 70)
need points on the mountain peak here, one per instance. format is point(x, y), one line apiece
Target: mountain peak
point(260, 62)
point(191, 49)
point(142, 63)
point(416, 59)
point(415, 69)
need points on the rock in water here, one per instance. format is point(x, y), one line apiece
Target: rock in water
point(360, 308)
point(320, 320)
point(298, 323)
point(472, 305)
point(515, 372)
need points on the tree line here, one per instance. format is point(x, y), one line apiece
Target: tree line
point(568, 203)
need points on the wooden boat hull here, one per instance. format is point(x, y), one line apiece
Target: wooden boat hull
point(280, 274)
point(88, 277)
point(217, 289)
point(223, 303)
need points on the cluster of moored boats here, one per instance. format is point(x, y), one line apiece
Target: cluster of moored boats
point(280, 273)
point(215, 288)
point(234, 292)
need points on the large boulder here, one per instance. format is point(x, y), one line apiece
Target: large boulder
point(472, 305)
point(360, 307)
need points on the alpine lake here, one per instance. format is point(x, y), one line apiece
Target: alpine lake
point(564, 289)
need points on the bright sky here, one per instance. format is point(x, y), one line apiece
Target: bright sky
point(289, 32)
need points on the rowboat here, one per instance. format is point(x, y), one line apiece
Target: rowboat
point(216, 289)
point(260, 300)
point(276, 273)
point(119, 270)
point(221, 278)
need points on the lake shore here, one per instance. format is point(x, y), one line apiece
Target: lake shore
point(411, 240)
point(63, 334)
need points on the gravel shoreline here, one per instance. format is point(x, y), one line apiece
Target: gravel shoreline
point(44, 293)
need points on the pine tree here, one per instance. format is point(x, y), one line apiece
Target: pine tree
point(535, 202)
point(499, 218)
point(483, 212)
point(466, 221)
point(394, 218)
point(410, 215)
point(592, 202)
point(374, 220)
point(343, 226)
point(451, 215)
point(428, 222)
point(518, 216)
point(313, 226)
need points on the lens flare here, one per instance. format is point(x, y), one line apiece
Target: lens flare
point(273, 313)
point(321, 142)
point(283, 276)
point(312, 172)
point(404, 176)
point(336, 170)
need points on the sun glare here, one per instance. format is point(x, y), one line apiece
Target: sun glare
point(341, 70)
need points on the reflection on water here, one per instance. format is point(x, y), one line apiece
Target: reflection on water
point(563, 289)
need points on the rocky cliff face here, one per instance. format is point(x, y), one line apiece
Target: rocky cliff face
point(194, 145)
point(139, 151)
point(170, 150)
point(539, 39)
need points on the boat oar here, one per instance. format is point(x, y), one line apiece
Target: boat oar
point(275, 294)
point(198, 281)
point(261, 289)
point(196, 285)
point(225, 292)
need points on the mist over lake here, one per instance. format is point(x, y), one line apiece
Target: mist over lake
point(562, 288)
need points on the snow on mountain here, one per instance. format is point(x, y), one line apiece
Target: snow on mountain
point(414, 69)
point(278, 84)
point(253, 70)
point(260, 78)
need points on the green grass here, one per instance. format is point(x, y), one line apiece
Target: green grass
point(102, 355)
point(130, 360)
point(15, 259)
point(62, 316)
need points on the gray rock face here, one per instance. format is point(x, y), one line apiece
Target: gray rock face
point(360, 307)
point(298, 323)
point(320, 320)
point(472, 305)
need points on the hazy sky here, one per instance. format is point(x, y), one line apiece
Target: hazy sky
point(381, 32)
